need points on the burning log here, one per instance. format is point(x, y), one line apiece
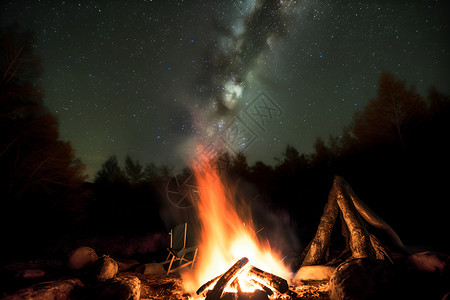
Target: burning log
point(217, 291)
point(265, 283)
point(264, 287)
point(270, 279)
point(208, 284)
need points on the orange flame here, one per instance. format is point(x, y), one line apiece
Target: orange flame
point(227, 234)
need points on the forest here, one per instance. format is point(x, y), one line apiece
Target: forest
point(394, 153)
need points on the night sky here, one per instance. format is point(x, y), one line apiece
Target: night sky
point(153, 78)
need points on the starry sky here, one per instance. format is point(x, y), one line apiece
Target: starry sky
point(153, 79)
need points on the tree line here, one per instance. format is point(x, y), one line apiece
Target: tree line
point(394, 153)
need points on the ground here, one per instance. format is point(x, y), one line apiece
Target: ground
point(21, 274)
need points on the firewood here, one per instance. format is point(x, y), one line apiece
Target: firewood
point(359, 236)
point(266, 289)
point(208, 284)
point(270, 279)
point(317, 247)
point(217, 291)
point(374, 220)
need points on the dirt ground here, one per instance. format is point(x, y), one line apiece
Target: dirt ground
point(171, 288)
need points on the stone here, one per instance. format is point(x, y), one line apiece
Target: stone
point(122, 287)
point(32, 273)
point(105, 268)
point(428, 261)
point(81, 258)
point(126, 264)
point(151, 269)
point(359, 279)
point(317, 272)
point(57, 290)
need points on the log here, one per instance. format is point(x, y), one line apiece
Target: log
point(208, 284)
point(266, 289)
point(317, 247)
point(359, 236)
point(270, 279)
point(217, 291)
point(374, 220)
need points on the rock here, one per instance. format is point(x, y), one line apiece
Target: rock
point(121, 288)
point(81, 257)
point(126, 264)
point(151, 269)
point(33, 273)
point(57, 290)
point(359, 279)
point(105, 268)
point(317, 272)
point(427, 261)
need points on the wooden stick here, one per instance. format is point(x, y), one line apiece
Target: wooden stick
point(317, 247)
point(270, 279)
point(359, 236)
point(266, 289)
point(208, 284)
point(217, 291)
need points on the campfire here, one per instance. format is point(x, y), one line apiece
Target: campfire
point(245, 283)
point(233, 263)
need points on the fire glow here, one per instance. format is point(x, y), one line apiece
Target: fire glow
point(227, 235)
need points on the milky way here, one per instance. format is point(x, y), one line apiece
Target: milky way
point(151, 78)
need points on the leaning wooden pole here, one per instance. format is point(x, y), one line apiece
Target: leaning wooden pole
point(374, 220)
point(359, 243)
point(319, 244)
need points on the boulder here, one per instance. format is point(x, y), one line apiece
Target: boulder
point(31, 273)
point(151, 269)
point(57, 290)
point(428, 261)
point(317, 272)
point(121, 287)
point(105, 268)
point(126, 264)
point(360, 278)
point(81, 257)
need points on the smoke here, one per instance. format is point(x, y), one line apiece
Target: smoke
point(245, 32)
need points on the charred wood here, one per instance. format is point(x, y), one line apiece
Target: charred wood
point(266, 289)
point(217, 291)
point(270, 279)
point(208, 284)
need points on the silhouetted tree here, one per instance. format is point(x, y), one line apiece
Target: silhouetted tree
point(439, 103)
point(39, 174)
point(151, 171)
point(239, 164)
point(110, 172)
point(387, 117)
point(321, 153)
point(293, 162)
point(134, 170)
